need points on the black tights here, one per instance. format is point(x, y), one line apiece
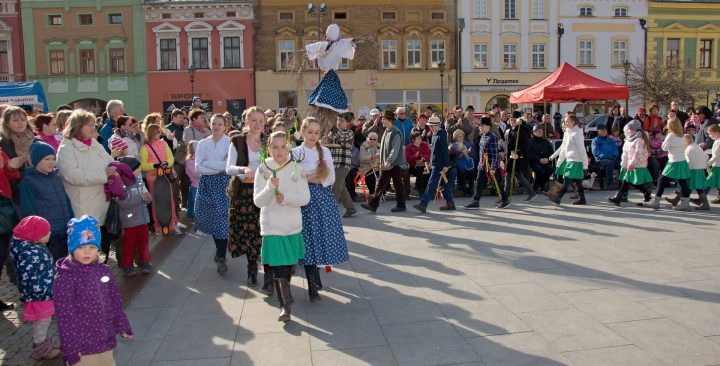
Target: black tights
point(220, 247)
point(568, 182)
point(662, 182)
point(625, 186)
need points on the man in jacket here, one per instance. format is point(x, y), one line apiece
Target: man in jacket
point(182, 184)
point(702, 138)
point(115, 109)
point(517, 147)
point(488, 167)
point(440, 163)
point(393, 161)
point(606, 154)
point(405, 125)
point(374, 124)
point(540, 151)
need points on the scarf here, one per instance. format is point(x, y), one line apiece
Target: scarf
point(22, 142)
point(126, 134)
point(634, 136)
point(87, 142)
point(200, 128)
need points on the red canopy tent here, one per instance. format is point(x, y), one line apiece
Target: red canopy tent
point(568, 84)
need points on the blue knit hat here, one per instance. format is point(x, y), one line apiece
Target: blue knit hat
point(39, 150)
point(83, 231)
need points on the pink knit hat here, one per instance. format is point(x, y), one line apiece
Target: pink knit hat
point(117, 143)
point(32, 228)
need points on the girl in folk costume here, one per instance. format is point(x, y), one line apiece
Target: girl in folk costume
point(211, 203)
point(676, 169)
point(576, 161)
point(322, 228)
point(329, 54)
point(713, 179)
point(280, 190)
point(633, 163)
point(193, 177)
point(244, 157)
point(156, 154)
point(697, 160)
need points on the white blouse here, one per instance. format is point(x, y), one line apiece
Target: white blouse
point(675, 147)
point(253, 162)
point(211, 156)
point(310, 158)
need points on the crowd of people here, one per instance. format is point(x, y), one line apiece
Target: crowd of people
point(267, 189)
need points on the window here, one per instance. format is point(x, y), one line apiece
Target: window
point(85, 19)
point(286, 15)
point(230, 14)
point(199, 15)
point(57, 62)
point(344, 64)
point(510, 56)
point(538, 56)
point(389, 15)
point(166, 16)
point(54, 19)
point(510, 9)
point(706, 53)
point(538, 9)
point(672, 55)
point(287, 98)
point(586, 11)
point(168, 54)
point(117, 60)
point(87, 62)
point(437, 51)
point(232, 52)
point(619, 53)
point(389, 54)
point(585, 53)
point(414, 54)
point(480, 8)
point(4, 62)
point(115, 18)
point(311, 65)
point(287, 49)
point(437, 15)
point(200, 53)
point(340, 15)
point(620, 12)
point(480, 56)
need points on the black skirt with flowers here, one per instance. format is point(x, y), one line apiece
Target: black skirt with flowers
point(244, 222)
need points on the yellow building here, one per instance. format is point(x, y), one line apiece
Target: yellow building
point(687, 33)
point(399, 46)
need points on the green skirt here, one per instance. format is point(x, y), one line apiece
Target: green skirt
point(282, 250)
point(713, 179)
point(574, 170)
point(697, 179)
point(561, 168)
point(638, 176)
point(677, 170)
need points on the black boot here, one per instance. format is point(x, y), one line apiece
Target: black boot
point(289, 279)
point(312, 283)
point(317, 278)
point(267, 281)
point(617, 198)
point(252, 274)
point(284, 294)
point(581, 199)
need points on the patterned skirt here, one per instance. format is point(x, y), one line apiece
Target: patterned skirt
point(697, 179)
point(244, 236)
point(638, 176)
point(574, 170)
point(677, 170)
point(322, 229)
point(329, 94)
point(211, 205)
point(713, 179)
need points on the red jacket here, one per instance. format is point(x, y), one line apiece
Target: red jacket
point(7, 175)
point(652, 123)
point(412, 156)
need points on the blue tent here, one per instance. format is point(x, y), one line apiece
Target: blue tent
point(23, 93)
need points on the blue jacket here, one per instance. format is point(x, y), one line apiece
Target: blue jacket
point(604, 148)
point(405, 126)
point(35, 270)
point(44, 195)
point(106, 132)
point(439, 154)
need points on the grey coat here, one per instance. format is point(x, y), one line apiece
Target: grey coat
point(391, 148)
point(133, 209)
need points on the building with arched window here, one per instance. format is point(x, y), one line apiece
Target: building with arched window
point(12, 63)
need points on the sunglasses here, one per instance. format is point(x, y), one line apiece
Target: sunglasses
point(372, 139)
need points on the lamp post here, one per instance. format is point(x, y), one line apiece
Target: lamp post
point(318, 12)
point(441, 67)
point(626, 66)
point(643, 25)
point(560, 32)
point(191, 71)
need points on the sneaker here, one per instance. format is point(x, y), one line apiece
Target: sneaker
point(471, 205)
point(530, 197)
point(129, 272)
point(503, 204)
point(146, 268)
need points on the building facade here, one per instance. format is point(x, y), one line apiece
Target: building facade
point(687, 33)
point(87, 52)
point(201, 48)
point(12, 63)
point(399, 48)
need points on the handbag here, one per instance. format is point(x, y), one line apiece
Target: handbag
point(169, 172)
point(113, 224)
point(466, 163)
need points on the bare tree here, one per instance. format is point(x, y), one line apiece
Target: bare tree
point(655, 83)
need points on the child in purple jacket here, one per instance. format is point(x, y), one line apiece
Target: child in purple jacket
point(88, 306)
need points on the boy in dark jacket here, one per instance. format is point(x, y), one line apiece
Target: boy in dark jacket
point(517, 147)
point(42, 193)
point(540, 151)
point(489, 166)
point(440, 162)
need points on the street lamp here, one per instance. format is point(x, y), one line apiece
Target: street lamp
point(626, 66)
point(317, 12)
point(191, 71)
point(643, 23)
point(441, 67)
point(560, 32)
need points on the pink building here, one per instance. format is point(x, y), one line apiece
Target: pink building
point(12, 63)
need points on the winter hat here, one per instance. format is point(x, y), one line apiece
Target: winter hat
point(634, 125)
point(32, 228)
point(83, 231)
point(130, 162)
point(117, 143)
point(641, 110)
point(127, 175)
point(39, 150)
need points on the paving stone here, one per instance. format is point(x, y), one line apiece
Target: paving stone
point(428, 343)
point(271, 349)
point(366, 356)
point(526, 297)
point(519, 349)
point(613, 356)
point(608, 306)
point(482, 318)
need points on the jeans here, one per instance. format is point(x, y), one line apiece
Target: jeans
point(421, 179)
point(483, 180)
point(433, 183)
point(191, 202)
point(609, 166)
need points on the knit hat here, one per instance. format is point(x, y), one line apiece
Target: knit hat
point(486, 121)
point(117, 143)
point(641, 110)
point(433, 120)
point(83, 231)
point(130, 162)
point(39, 150)
point(634, 125)
point(32, 228)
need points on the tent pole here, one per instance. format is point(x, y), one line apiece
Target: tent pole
point(543, 117)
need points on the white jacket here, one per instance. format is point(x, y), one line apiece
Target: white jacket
point(675, 147)
point(715, 159)
point(83, 170)
point(575, 148)
point(696, 157)
point(286, 218)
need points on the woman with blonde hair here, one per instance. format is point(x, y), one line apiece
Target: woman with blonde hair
point(677, 168)
point(16, 136)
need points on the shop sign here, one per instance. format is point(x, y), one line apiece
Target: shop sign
point(186, 105)
point(502, 81)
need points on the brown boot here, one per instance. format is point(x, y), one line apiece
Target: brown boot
point(45, 350)
point(285, 311)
